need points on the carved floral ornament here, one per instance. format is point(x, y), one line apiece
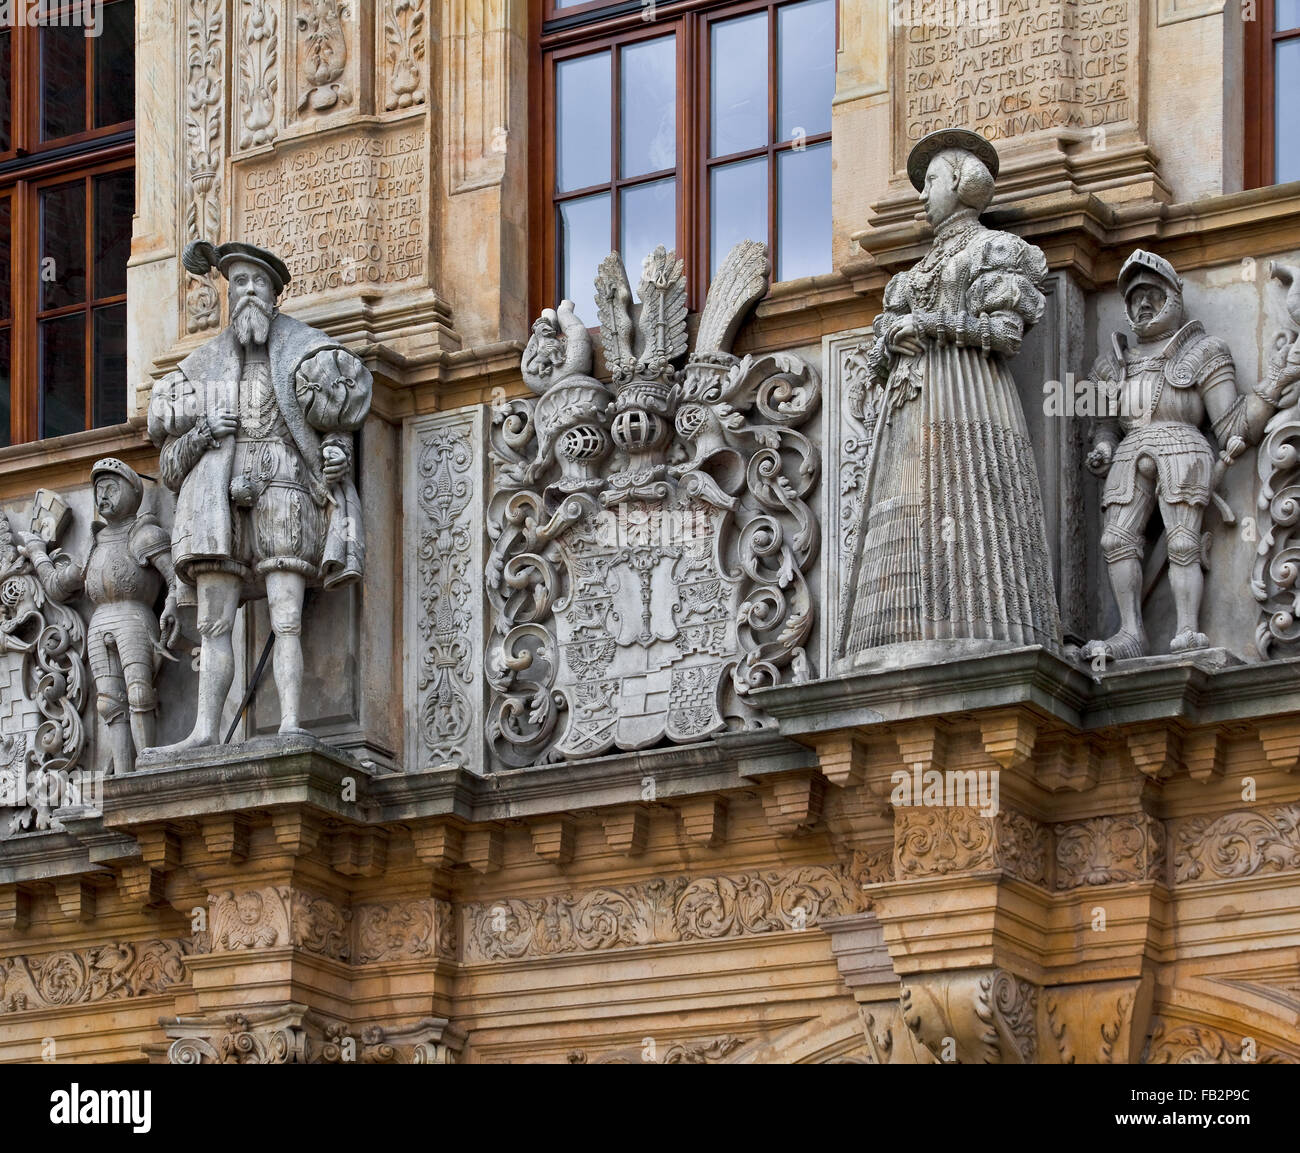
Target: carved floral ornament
point(651, 538)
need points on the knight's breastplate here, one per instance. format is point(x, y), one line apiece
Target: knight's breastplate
point(1144, 383)
point(113, 574)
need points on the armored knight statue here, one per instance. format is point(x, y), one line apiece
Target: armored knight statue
point(123, 576)
point(1152, 452)
point(255, 430)
point(952, 549)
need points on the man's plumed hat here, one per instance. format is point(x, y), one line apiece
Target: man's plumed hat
point(201, 256)
point(928, 147)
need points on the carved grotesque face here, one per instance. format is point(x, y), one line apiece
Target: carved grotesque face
point(252, 301)
point(1150, 311)
point(939, 194)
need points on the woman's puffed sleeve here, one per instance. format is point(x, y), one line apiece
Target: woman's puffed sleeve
point(334, 389)
point(1004, 288)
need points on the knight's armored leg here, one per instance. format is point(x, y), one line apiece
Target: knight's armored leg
point(143, 701)
point(284, 594)
point(1122, 546)
point(111, 704)
point(1183, 530)
point(218, 598)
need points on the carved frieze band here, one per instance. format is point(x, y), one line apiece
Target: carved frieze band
point(1238, 844)
point(659, 911)
point(1186, 1044)
point(276, 915)
point(444, 606)
point(942, 840)
point(1110, 850)
point(87, 975)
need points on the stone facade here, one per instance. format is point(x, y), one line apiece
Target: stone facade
point(581, 770)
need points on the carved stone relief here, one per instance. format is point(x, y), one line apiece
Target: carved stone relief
point(650, 537)
point(404, 51)
point(1110, 850)
point(444, 601)
point(1237, 844)
point(204, 150)
point(985, 1017)
point(323, 54)
point(95, 973)
point(258, 73)
point(659, 911)
point(931, 841)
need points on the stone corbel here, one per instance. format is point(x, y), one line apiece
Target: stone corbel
point(923, 744)
point(553, 839)
point(1009, 736)
point(1204, 753)
point(141, 885)
point(439, 844)
point(1099, 1023)
point(484, 848)
point(1063, 762)
point(843, 759)
point(793, 804)
point(15, 908)
point(627, 831)
point(704, 820)
point(295, 832)
point(1280, 740)
point(226, 837)
point(76, 897)
point(1156, 750)
point(360, 852)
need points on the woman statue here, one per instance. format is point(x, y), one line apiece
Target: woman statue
point(952, 547)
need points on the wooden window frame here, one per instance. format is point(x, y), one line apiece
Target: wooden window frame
point(27, 167)
point(1261, 40)
point(602, 25)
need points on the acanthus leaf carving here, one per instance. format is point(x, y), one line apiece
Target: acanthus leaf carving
point(258, 73)
point(404, 36)
point(204, 151)
point(1110, 850)
point(322, 54)
point(1238, 844)
point(83, 976)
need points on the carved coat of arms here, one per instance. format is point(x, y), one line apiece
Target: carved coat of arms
point(650, 536)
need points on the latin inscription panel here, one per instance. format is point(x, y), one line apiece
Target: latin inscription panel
point(345, 211)
point(1008, 68)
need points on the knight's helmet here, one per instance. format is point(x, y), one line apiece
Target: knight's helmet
point(1144, 267)
point(111, 466)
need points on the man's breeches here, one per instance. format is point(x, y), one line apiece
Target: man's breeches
point(1124, 526)
point(121, 645)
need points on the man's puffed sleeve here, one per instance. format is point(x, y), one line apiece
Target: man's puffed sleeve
point(178, 427)
point(334, 389)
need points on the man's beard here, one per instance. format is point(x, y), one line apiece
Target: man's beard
point(252, 321)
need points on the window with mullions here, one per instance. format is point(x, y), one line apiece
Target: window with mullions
point(67, 196)
point(701, 127)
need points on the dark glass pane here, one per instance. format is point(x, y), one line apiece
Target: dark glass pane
point(738, 79)
point(110, 365)
point(5, 257)
point(63, 82)
point(63, 245)
point(737, 207)
point(648, 107)
point(1286, 112)
point(1286, 14)
point(584, 243)
point(114, 64)
point(114, 199)
point(6, 85)
point(63, 374)
point(4, 387)
point(805, 67)
point(803, 207)
point(647, 218)
point(582, 111)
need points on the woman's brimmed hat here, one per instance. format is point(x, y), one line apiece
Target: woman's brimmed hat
point(928, 147)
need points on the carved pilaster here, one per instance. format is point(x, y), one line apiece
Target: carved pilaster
point(259, 72)
point(405, 71)
point(204, 151)
point(479, 50)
